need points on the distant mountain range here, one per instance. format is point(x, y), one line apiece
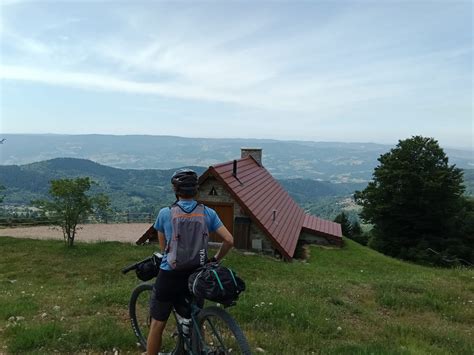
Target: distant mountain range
point(325, 161)
point(131, 189)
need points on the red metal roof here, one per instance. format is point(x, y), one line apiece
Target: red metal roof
point(259, 195)
point(323, 227)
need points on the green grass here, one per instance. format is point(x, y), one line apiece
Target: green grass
point(349, 301)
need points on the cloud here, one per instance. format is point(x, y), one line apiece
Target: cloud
point(88, 81)
point(311, 63)
point(13, 2)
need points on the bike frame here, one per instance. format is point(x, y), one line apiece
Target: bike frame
point(187, 340)
point(195, 334)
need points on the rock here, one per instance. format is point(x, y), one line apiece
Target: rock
point(18, 319)
point(44, 315)
point(56, 308)
point(11, 319)
point(259, 350)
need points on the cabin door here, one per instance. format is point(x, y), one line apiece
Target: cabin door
point(242, 233)
point(225, 211)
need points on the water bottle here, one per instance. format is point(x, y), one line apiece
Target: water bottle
point(184, 322)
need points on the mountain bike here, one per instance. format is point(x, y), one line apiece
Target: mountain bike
point(210, 330)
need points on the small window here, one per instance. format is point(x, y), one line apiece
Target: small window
point(213, 192)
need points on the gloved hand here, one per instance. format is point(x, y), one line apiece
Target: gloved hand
point(212, 260)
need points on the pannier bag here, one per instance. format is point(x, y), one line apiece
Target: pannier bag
point(216, 283)
point(149, 268)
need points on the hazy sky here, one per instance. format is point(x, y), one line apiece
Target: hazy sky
point(348, 71)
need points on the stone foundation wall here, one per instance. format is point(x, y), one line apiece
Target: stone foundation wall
point(313, 239)
point(257, 234)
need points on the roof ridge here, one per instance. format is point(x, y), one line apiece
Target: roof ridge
point(230, 162)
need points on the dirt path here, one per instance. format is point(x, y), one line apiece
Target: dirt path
point(126, 232)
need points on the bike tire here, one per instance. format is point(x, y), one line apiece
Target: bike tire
point(140, 292)
point(140, 319)
point(216, 326)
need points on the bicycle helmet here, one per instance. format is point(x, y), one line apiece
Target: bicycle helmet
point(185, 182)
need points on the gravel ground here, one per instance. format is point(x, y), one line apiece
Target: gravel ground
point(124, 232)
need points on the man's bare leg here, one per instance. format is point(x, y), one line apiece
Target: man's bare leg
point(153, 343)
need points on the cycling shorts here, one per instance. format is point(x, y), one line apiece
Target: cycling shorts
point(170, 290)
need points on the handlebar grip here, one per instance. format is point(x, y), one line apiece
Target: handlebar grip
point(156, 256)
point(129, 268)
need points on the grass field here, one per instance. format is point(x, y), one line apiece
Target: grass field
point(349, 301)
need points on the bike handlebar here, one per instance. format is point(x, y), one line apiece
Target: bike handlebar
point(129, 268)
point(135, 265)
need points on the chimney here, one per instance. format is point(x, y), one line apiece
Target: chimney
point(256, 153)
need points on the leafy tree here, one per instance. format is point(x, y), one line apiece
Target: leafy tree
point(461, 243)
point(2, 196)
point(415, 201)
point(69, 206)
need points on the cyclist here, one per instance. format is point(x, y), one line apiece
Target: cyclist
point(171, 286)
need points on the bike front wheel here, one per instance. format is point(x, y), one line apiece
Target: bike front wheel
point(140, 318)
point(219, 334)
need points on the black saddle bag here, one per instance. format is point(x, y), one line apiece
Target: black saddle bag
point(216, 283)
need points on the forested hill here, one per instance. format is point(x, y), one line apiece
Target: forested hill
point(328, 161)
point(469, 181)
point(129, 189)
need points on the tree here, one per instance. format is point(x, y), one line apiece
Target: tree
point(69, 206)
point(358, 235)
point(414, 201)
point(2, 196)
point(346, 226)
point(351, 230)
point(102, 208)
